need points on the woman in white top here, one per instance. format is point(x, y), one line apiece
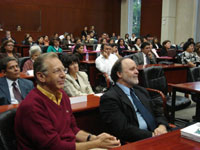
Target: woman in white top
point(76, 82)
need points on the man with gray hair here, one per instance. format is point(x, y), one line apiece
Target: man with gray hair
point(127, 108)
point(44, 120)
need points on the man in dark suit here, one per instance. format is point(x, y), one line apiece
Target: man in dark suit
point(145, 56)
point(12, 88)
point(119, 107)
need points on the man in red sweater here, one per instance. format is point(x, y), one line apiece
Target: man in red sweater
point(44, 120)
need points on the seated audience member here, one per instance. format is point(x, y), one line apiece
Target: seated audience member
point(83, 38)
point(76, 82)
point(55, 46)
point(188, 56)
point(103, 41)
point(197, 50)
point(34, 52)
point(106, 60)
point(190, 40)
point(111, 41)
point(121, 46)
point(144, 39)
point(85, 31)
point(44, 120)
point(25, 37)
point(156, 43)
point(127, 109)
point(8, 37)
point(92, 29)
point(67, 41)
point(145, 56)
point(153, 50)
point(40, 41)
point(7, 49)
point(126, 39)
point(137, 45)
point(78, 41)
point(165, 47)
point(103, 36)
point(72, 37)
point(29, 41)
point(132, 39)
point(46, 40)
point(13, 89)
point(113, 37)
point(78, 51)
point(115, 50)
point(61, 37)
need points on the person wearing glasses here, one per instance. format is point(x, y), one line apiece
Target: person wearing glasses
point(7, 49)
point(44, 119)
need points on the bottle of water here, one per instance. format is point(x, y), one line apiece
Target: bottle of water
point(87, 56)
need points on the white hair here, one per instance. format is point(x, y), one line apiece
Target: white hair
point(34, 49)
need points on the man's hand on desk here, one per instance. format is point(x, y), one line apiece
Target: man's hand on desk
point(161, 129)
point(107, 141)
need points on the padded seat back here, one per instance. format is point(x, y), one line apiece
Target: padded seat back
point(7, 134)
point(154, 78)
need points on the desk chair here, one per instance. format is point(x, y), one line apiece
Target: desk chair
point(22, 60)
point(153, 77)
point(7, 134)
point(194, 75)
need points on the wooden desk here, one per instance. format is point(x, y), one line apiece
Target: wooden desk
point(128, 52)
point(23, 49)
point(175, 73)
point(22, 75)
point(188, 88)
point(169, 141)
point(166, 58)
point(92, 55)
point(86, 114)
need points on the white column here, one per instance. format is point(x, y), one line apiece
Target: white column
point(168, 20)
point(197, 22)
point(126, 17)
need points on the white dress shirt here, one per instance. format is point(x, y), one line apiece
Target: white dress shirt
point(105, 65)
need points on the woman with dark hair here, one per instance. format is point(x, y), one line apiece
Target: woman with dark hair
point(67, 41)
point(165, 47)
point(156, 43)
point(40, 41)
point(121, 46)
point(188, 56)
point(78, 41)
point(29, 41)
point(46, 40)
point(85, 31)
point(7, 49)
point(55, 46)
point(76, 82)
point(78, 51)
point(137, 45)
point(126, 38)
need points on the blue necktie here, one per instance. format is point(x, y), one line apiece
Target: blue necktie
point(151, 123)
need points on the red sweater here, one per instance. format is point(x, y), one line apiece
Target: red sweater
point(40, 124)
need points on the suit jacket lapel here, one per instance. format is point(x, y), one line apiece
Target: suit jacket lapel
point(124, 98)
point(22, 88)
point(141, 58)
point(5, 89)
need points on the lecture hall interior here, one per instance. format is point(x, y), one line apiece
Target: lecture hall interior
point(160, 38)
